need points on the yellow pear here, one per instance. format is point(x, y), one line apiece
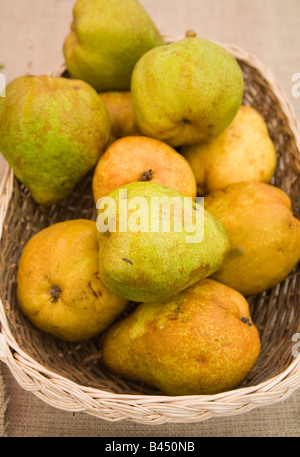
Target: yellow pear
point(52, 133)
point(58, 286)
point(243, 152)
point(202, 341)
point(186, 92)
point(122, 118)
point(263, 232)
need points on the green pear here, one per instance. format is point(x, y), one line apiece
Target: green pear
point(106, 40)
point(186, 92)
point(200, 342)
point(154, 242)
point(52, 132)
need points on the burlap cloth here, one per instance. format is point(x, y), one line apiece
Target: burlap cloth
point(31, 36)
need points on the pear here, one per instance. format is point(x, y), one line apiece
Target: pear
point(154, 242)
point(200, 342)
point(243, 152)
point(58, 286)
point(264, 235)
point(139, 158)
point(186, 92)
point(106, 40)
point(52, 132)
point(122, 119)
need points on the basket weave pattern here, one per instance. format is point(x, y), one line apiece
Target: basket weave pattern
point(70, 376)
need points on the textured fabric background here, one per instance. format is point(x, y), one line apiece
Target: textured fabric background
point(31, 37)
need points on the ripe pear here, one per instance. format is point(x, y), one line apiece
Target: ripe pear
point(139, 158)
point(264, 235)
point(52, 132)
point(243, 152)
point(106, 39)
point(200, 342)
point(154, 242)
point(122, 119)
point(58, 286)
point(186, 92)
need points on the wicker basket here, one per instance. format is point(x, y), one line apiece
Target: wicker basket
point(70, 376)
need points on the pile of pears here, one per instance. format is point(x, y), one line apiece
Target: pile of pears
point(150, 120)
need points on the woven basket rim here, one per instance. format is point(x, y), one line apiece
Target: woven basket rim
point(26, 370)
